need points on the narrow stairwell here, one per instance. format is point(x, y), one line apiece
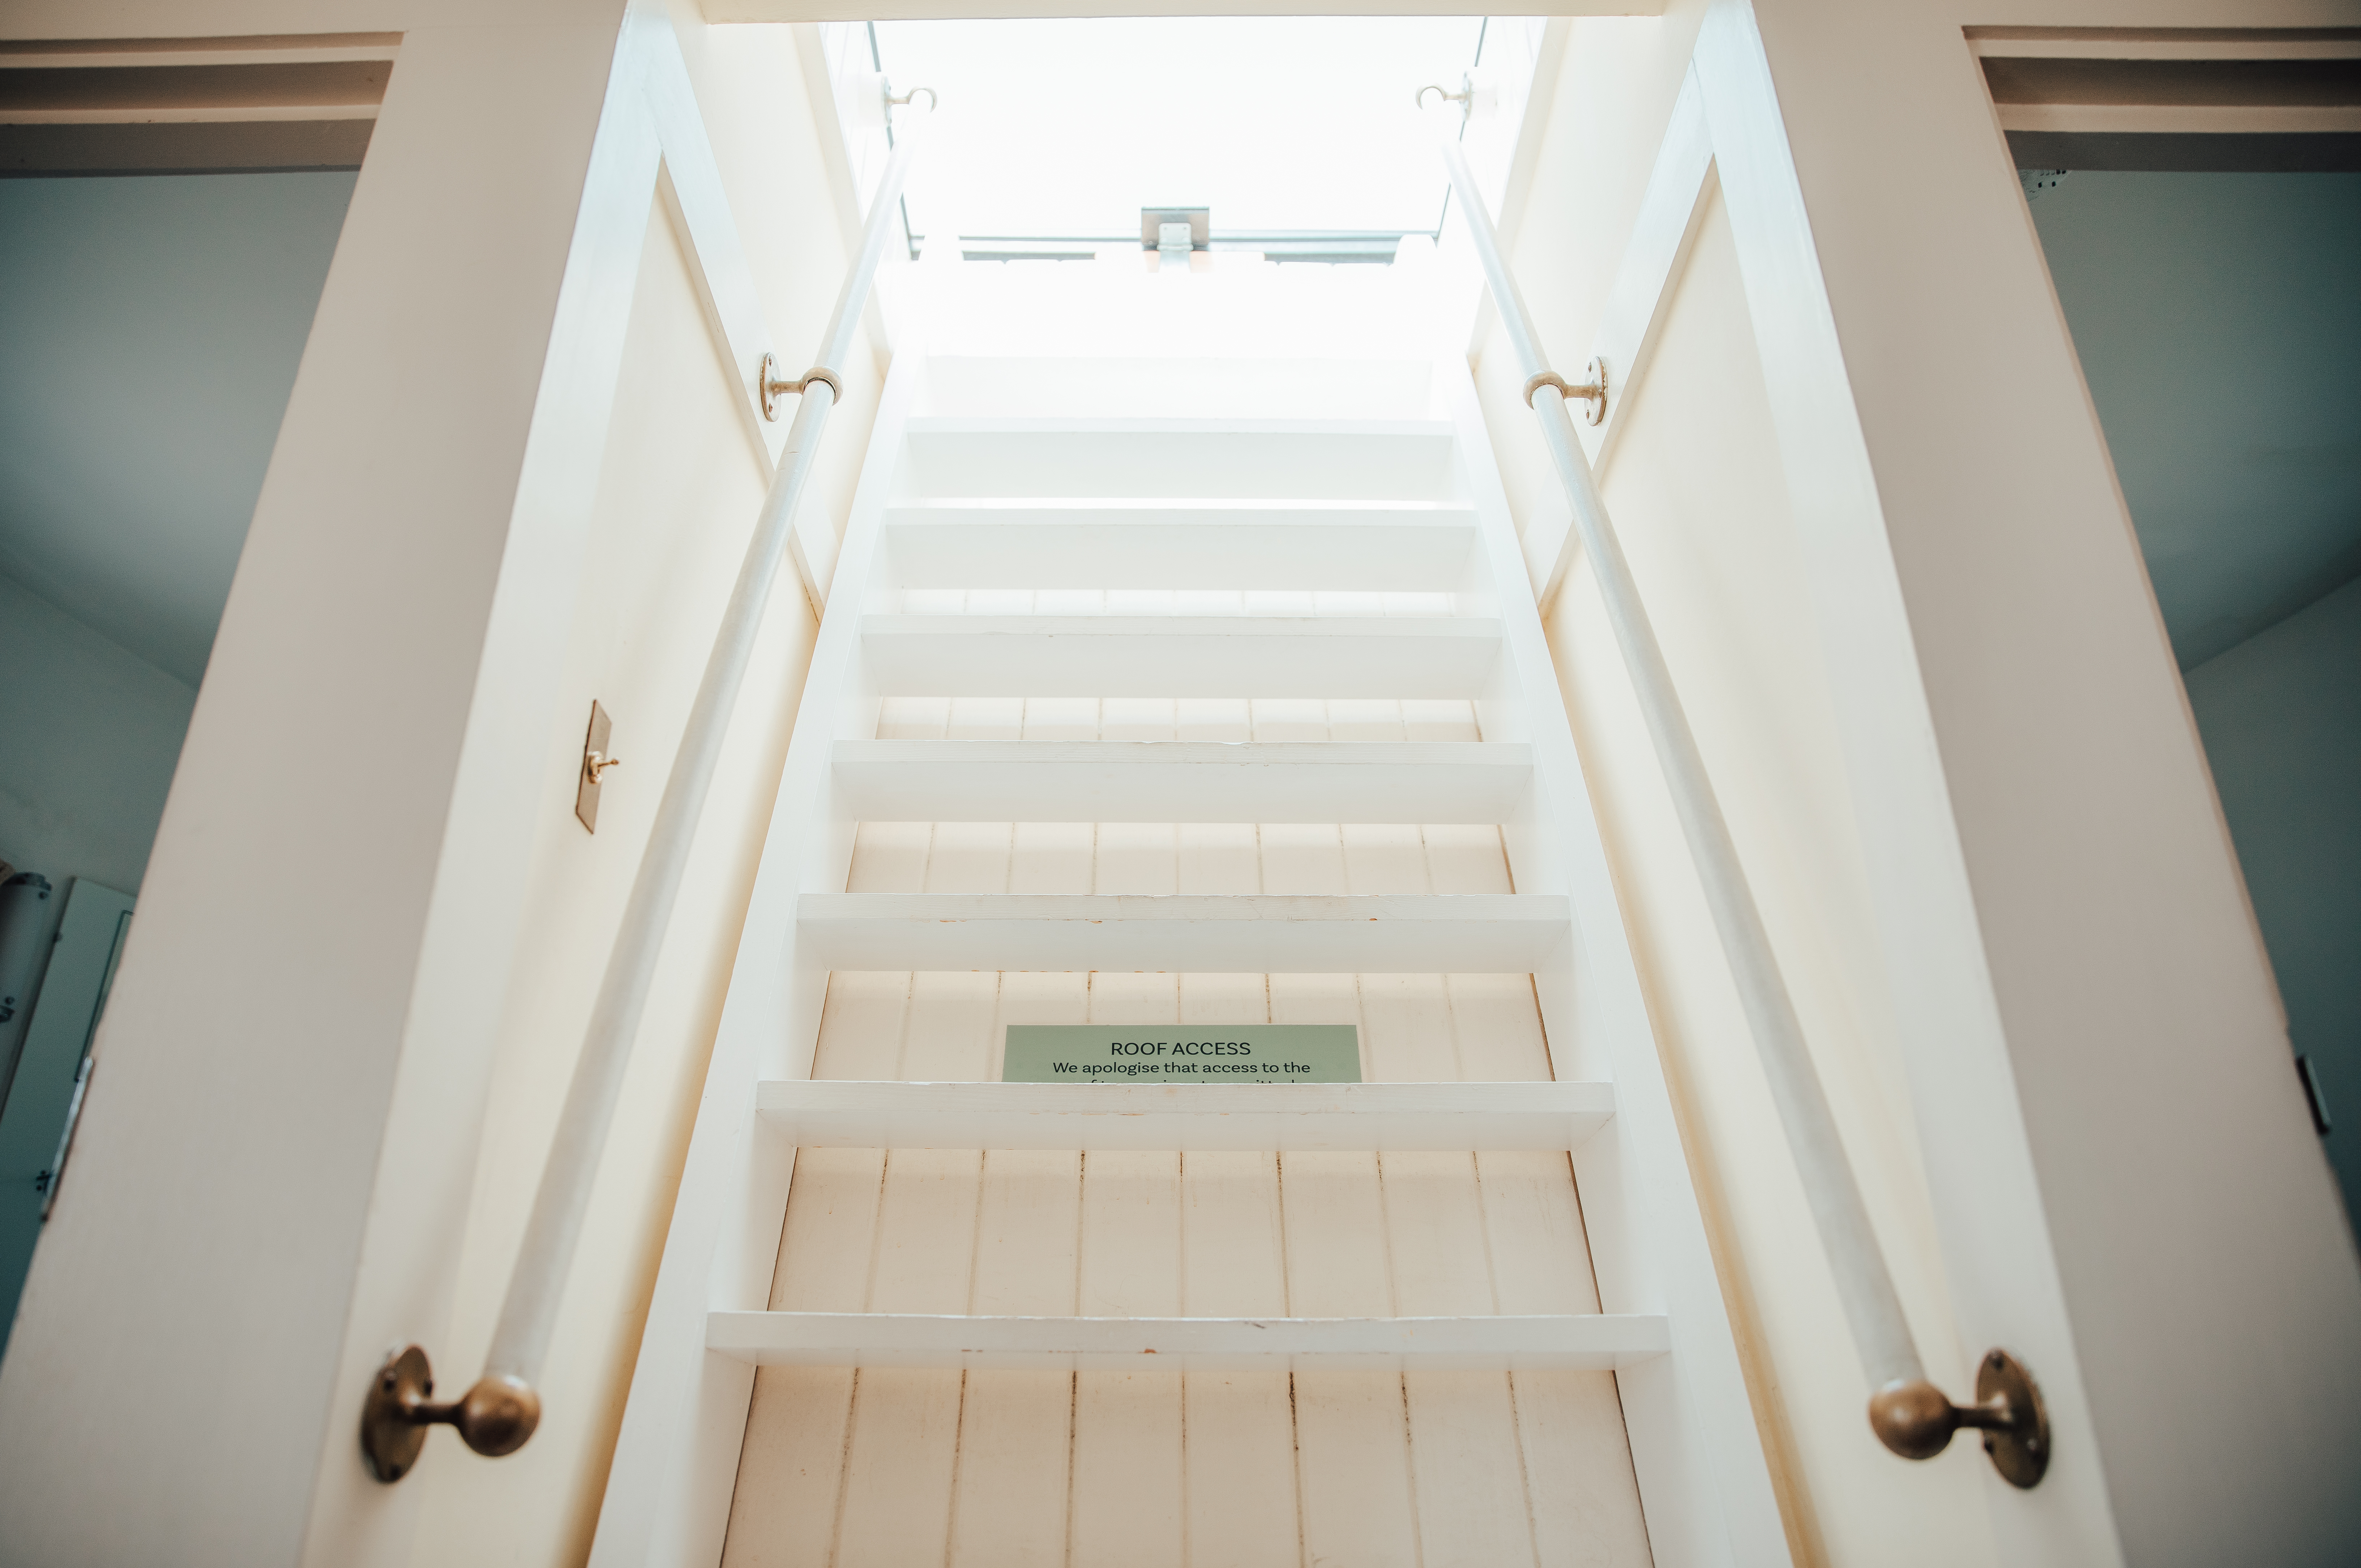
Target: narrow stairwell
point(1184, 721)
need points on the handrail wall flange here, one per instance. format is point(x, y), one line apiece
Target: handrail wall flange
point(766, 379)
point(1591, 394)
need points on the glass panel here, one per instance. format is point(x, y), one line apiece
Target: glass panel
point(1064, 130)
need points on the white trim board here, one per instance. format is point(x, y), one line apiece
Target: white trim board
point(1653, 259)
point(691, 184)
point(2164, 43)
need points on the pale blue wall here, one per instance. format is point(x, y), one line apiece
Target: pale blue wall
point(2281, 717)
point(2218, 320)
point(152, 327)
point(149, 333)
point(89, 733)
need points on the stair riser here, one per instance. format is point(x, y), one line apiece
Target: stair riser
point(1077, 792)
point(1219, 935)
point(1409, 463)
point(1009, 552)
point(961, 656)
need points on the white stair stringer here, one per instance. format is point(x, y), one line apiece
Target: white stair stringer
point(1662, 1327)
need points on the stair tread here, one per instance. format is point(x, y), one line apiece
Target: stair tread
point(1125, 424)
point(1497, 933)
point(1180, 655)
point(1286, 1117)
point(1182, 781)
point(1196, 753)
point(1587, 1342)
point(1258, 908)
point(895, 623)
point(1117, 510)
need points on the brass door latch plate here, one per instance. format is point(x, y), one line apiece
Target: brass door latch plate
point(595, 763)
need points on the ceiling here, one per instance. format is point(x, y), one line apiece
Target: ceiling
point(2218, 320)
point(153, 327)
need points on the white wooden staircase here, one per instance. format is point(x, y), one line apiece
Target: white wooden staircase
point(1186, 720)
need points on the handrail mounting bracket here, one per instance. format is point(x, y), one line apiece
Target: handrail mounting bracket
point(767, 382)
point(1591, 394)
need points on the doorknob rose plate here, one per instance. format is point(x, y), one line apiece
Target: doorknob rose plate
point(1916, 1419)
point(391, 1434)
point(2020, 1451)
point(494, 1418)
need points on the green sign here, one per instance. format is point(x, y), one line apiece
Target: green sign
point(1161, 1053)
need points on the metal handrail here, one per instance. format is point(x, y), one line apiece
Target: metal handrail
point(1909, 1413)
point(500, 1412)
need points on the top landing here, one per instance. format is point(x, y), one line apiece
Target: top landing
point(1245, 340)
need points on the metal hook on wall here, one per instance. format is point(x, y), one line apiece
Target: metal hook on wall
point(1465, 97)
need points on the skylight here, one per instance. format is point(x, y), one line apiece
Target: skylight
point(1298, 133)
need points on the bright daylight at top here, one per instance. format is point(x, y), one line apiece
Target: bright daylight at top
point(1298, 136)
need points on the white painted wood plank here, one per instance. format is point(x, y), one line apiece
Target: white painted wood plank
point(1095, 781)
point(1352, 1426)
point(1085, 542)
point(1188, 1116)
point(896, 1506)
point(1127, 1437)
point(1178, 655)
point(902, 1340)
point(791, 1465)
point(1128, 1432)
point(1465, 1468)
point(1011, 1500)
point(1257, 460)
point(902, 1444)
point(1501, 933)
point(1241, 1495)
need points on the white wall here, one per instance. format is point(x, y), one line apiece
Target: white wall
point(1863, 488)
point(1698, 494)
point(89, 733)
point(676, 500)
point(466, 533)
